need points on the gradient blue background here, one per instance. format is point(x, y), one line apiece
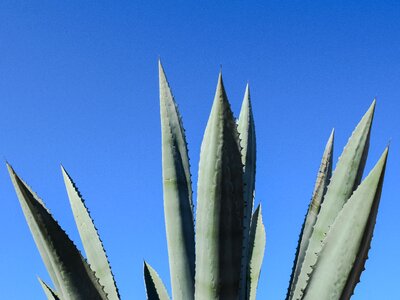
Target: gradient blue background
point(79, 86)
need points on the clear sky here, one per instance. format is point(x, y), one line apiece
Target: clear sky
point(79, 86)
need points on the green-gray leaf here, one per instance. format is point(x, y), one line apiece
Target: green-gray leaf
point(256, 254)
point(92, 244)
point(247, 135)
point(323, 177)
point(344, 181)
point(177, 195)
point(72, 276)
point(219, 215)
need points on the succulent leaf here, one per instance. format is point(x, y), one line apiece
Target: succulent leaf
point(323, 177)
point(92, 244)
point(344, 239)
point(257, 245)
point(69, 271)
point(362, 255)
point(50, 294)
point(247, 136)
point(344, 181)
point(219, 215)
point(177, 195)
point(155, 288)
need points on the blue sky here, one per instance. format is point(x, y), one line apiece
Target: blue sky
point(79, 86)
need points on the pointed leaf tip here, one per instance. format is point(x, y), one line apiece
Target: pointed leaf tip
point(91, 241)
point(161, 72)
point(155, 288)
point(371, 108)
point(10, 169)
point(332, 133)
point(49, 292)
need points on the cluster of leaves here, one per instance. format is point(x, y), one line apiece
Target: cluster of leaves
point(221, 257)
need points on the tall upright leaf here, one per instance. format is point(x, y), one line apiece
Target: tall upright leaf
point(345, 179)
point(344, 239)
point(92, 244)
point(155, 288)
point(69, 271)
point(256, 252)
point(323, 177)
point(247, 135)
point(219, 215)
point(177, 195)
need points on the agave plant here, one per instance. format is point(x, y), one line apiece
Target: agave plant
point(73, 276)
point(221, 257)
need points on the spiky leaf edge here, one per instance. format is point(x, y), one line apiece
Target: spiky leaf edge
point(219, 214)
point(345, 238)
point(177, 189)
point(68, 269)
point(344, 181)
point(90, 238)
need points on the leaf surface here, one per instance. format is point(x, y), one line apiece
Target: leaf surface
point(256, 255)
point(177, 190)
point(90, 238)
point(68, 270)
point(219, 215)
point(247, 136)
point(323, 177)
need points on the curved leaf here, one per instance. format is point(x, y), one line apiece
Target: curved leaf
point(92, 244)
point(323, 177)
point(69, 271)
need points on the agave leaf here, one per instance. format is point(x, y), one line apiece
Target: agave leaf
point(69, 271)
point(247, 134)
point(219, 216)
point(323, 177)
point(345, 179)
point(92, 244)
point(50, 294)
point(256, 255)
point(155, 288)
point(345, 237)
point(177, 189)
point(362, 256)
